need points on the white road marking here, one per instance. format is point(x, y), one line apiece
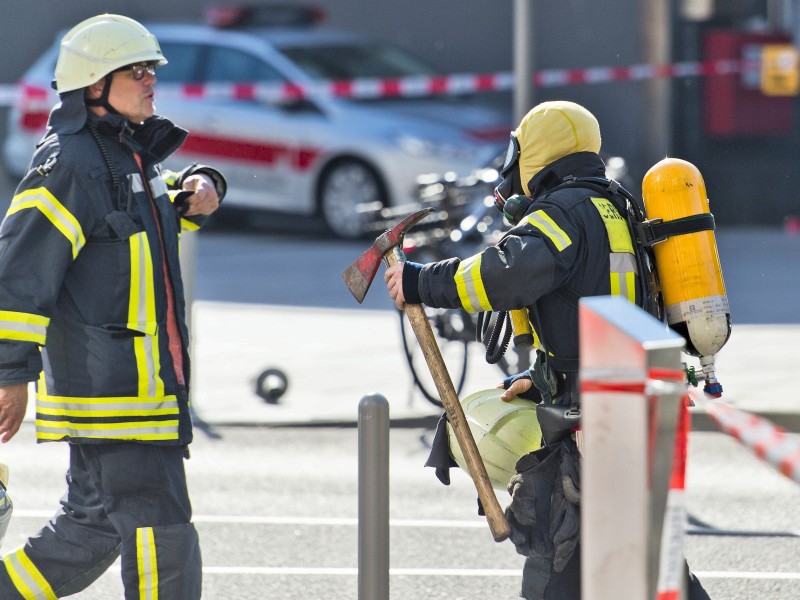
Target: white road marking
point(351, 522)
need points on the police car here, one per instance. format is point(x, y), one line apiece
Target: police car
point(347, 159)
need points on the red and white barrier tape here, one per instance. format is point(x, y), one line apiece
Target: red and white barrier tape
point(409, 87)
point(770, 443)
point(670, 564)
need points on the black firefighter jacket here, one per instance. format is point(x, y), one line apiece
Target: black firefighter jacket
point(83, 300)
point(571, 243)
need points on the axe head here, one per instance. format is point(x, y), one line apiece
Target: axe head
point(358, 276)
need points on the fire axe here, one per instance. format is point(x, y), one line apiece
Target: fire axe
point(358, 277)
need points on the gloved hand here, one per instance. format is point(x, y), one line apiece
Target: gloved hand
point(565, 512)
point(531, 490)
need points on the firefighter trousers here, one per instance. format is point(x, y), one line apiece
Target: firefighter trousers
point(127, 500)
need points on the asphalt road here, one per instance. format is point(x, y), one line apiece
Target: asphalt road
point(276, 509)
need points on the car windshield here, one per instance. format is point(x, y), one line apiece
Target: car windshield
point(338, 62)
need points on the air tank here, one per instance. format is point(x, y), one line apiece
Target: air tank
point(695, 301)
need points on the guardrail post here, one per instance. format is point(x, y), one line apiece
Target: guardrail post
point(373, 498)
point(629, 417)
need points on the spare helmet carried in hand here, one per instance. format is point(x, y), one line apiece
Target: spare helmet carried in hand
point(503, 433)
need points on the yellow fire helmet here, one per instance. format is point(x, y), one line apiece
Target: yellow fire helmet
point(97, 46)
point(552, 130)
point(503, 432)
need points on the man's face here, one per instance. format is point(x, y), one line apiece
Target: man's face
point(133, 98)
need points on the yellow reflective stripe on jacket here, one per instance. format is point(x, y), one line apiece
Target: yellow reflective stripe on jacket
point(27, 579)
point(541, 221)
point(59, 216)
point(470, 285)
point(623, 275)
point(622, 259)
point(24, 327)
point(170, 177)
point(142, 317)
point(147, 563)
point(131, 430)
point(64, 406)
point(141, 422)
point(187, 225)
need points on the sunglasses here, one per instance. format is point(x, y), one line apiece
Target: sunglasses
point(138, 70)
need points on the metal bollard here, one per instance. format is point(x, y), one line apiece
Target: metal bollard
point(373, 498)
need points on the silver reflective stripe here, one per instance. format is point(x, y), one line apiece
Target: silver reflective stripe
point(22, 326)
point(147, 563)
point(470, 285)
point(27, 579)
point(29, 329)
point(158, 186)
point(623, 275)
point(152, 378)
point(622, 262)
point(106, 407)
point(136, 183)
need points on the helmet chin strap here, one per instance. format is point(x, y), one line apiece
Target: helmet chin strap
point(103, 99)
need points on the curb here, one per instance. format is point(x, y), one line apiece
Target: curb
point(701, 422)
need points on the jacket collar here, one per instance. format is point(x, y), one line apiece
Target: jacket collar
point(579, 164)
point(154, 140)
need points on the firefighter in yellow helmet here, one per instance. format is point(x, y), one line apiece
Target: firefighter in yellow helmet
point(92, 308)
point(570, 239)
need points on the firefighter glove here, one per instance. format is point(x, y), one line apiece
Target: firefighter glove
point(531, 490)
point(565, 505)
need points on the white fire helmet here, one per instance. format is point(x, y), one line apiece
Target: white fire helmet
point(97, 46)
point(503, 431)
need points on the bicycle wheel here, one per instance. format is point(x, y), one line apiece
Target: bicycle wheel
point(445, 325)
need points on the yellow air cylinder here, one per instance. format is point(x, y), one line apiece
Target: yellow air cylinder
point(521, 326)
point(695, 301)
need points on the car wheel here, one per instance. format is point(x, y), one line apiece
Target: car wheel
point(350, 197)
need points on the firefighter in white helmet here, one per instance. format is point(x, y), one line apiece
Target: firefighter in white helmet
point(570, 239)
point(92, 308)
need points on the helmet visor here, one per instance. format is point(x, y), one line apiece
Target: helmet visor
point(512, 155)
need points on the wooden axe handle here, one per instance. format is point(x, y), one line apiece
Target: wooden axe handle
point(455, 414)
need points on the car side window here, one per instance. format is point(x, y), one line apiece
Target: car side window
point(231, 65)
point(184, 62)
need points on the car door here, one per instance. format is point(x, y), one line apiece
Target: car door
point(254, 143)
